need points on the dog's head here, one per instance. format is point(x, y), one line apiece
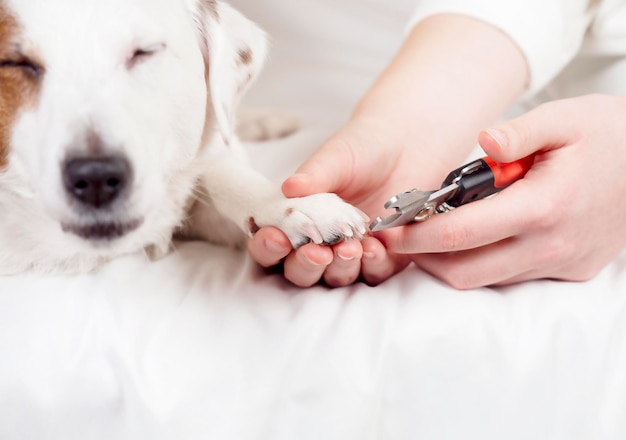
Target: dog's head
point(104, 109)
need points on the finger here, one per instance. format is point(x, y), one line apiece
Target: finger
point(305, 266)
point(471, 226)
point(499, 263)
point(531, 132)
point(377, 264)
point(346, 265)
point(269, 246)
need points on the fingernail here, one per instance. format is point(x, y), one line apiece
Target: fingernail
point(499, 136)
point(345, 257)
point(369, 255)
point(313, 263)
point(275, 247)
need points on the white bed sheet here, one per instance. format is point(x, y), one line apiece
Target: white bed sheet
point(205, 345)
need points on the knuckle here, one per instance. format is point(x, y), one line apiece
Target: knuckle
point(556, 250)
point(520, 134)
point(455, 237)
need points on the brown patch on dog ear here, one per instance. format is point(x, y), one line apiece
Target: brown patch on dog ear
point(208, 7)
point(245, 56)
point(19, 85)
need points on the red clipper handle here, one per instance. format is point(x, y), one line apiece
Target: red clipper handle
point(505, 174)
point(484, 178)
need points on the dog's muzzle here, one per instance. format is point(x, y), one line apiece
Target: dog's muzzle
point(97, 185)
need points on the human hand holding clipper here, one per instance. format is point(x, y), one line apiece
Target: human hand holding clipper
point(563, 220)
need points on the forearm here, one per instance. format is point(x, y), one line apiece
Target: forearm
point(453, 76)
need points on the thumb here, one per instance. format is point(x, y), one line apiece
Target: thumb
point(547, 127)
point(327, 170)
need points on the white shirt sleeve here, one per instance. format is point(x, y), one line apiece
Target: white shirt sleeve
point(548, 32)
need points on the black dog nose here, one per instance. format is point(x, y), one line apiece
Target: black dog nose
point(96, 181)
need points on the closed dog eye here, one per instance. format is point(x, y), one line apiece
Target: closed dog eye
point(144, 53)
point(24, 65)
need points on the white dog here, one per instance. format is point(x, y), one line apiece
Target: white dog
point(116, 132)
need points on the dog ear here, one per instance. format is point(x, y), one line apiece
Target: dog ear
point(235, 51)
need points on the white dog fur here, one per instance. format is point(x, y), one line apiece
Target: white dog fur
point(155, 82)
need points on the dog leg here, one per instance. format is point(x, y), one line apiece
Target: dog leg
point(245, 197)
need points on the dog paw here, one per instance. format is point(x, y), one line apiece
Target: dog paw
point(319, 218)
